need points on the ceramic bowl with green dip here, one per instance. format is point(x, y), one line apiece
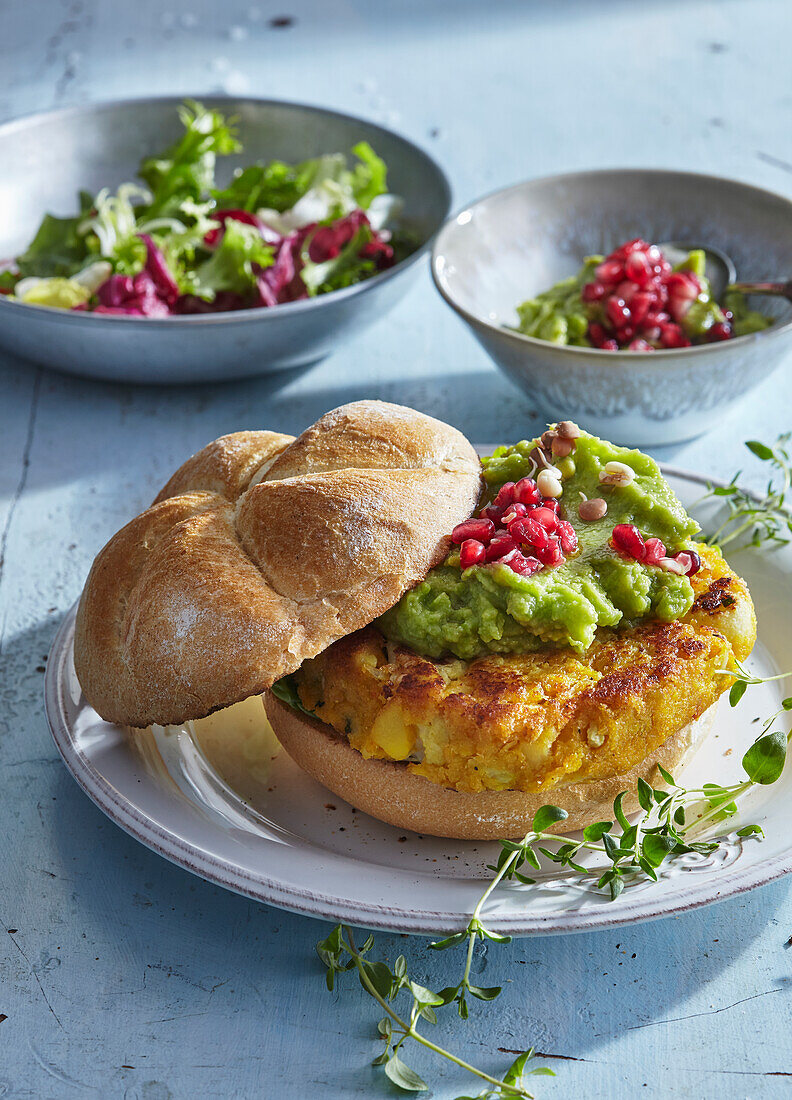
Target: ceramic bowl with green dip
point(511, 247)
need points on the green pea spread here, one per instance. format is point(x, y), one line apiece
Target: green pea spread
point(491, 609)
point(559, 315)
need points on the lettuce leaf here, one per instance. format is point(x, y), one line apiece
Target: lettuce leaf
point(286, 690)
point(279, 186)
point(186, 169)
point(276, 186)
point(56, 249)
point(369, 175)
point(231, 266)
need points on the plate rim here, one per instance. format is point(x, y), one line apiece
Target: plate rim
point(334, 907)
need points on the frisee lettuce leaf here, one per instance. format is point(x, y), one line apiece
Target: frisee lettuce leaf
point(276, 185)
point(231, 265)
point(279, 186)
point(186, 169)
point(369, 176)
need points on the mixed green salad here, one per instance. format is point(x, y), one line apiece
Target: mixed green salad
point(176, 243)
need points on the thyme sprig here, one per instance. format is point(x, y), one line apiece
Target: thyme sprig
point(752, 518)
point(340, 953)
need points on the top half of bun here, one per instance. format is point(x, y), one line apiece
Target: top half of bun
point(260, 552)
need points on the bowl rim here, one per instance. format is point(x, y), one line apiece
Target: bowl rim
point(521, 339)
point(254, 313)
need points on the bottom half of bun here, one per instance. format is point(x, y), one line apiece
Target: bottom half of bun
point(390, 792)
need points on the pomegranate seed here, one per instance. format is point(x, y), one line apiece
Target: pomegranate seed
point(651, 332)
point(592, 292)
point(609, 345)
point(547, 516)
point(635, 245)
point(471, 552)
point(727, 313)
point(638, 268)
point(530, 531)
point(671, 336)
point(500, 546)
point(551, 503)
point(678, 308)
point(617, 311)
point(526, 492)
point(491, 512)
point(661, 290)
point(689, 560)
point(626, 290)
point(513, 512)
point(481, 529)
point(551, 554)
point(654, 551)
point(626, 334)
point(720, 331)
point(567, 536)
point(609, 272)
point(524, 566)
point(628, 540)
point(683, 284)
point(640, 305)
point(505, 495)
point(597, 334)
point(639, 345)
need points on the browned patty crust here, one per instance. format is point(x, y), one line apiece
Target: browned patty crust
point(535, 721)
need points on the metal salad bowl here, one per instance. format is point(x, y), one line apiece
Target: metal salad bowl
point(517, 242)
point(49, 157)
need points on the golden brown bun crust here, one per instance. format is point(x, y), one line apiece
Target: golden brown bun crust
point(260, 552)
point(389, 792)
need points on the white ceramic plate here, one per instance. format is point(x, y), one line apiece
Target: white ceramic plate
point(273, 834)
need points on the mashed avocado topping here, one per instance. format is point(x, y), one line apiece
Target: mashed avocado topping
point(489, 608)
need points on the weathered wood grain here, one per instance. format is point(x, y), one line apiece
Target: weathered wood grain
point(126, 977)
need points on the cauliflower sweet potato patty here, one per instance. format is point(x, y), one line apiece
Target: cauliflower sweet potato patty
point(537, 720)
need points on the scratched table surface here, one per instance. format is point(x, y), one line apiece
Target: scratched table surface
point(123, 976)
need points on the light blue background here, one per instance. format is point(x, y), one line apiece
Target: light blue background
point(121, 960)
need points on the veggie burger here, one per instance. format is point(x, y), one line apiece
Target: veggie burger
point(448, 643)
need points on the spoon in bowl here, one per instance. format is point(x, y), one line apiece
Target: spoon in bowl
point(721, 272)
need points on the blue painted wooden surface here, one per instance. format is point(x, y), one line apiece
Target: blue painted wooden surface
point(126, 977)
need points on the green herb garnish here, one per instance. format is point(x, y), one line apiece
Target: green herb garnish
point(756, 519)
point(340, 953)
